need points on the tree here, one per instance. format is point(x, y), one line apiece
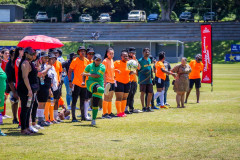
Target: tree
point(167, 7)
point(75, 4)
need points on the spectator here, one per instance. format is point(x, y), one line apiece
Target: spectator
point(181, 84)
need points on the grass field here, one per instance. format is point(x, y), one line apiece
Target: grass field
point(208, 130)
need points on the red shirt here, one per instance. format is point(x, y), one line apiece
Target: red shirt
point(4, 63)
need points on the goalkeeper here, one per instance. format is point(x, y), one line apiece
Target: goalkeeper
point(95, 83)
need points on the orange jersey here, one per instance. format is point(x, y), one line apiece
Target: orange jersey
point(124, 76)
point(78, 66)
point(197, 68)
point(110, 72)
point(58, 67)
point(159, 73)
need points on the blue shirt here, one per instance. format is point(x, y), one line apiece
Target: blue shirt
point(144, 74)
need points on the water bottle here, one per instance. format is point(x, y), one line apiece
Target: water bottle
point(42, 81)
point(1, 121)
point(52, 101)
point(29, 102)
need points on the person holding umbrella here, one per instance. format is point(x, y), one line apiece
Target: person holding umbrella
point(27, 87)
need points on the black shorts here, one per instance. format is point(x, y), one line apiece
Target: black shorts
point(57, 94)
point(112, 88)
point(88, 95)
point(159, 82)
point(146, 88)
point(43, 94)
point(196, 81)
point(121, 87)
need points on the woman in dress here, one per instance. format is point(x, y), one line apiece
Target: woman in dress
point(181, 84)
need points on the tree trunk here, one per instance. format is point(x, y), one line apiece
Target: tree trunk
point(167, 7)
point(62, 12)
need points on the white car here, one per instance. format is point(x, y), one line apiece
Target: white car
point(41, 16)
point(105, 17)
point(137, 15)
point(85, 18)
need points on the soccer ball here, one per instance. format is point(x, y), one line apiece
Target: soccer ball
point(132, 65)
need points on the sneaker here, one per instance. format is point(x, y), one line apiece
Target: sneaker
point(38, 126)
point(6, 116)
point(112, 115)
point(49, 122)
point(15, 121)
point(154, 107)
point(144, 109)
point(3, 117)
point(88, 118)
point(69, 108)
point(74, 120)
point(34, 130)
point(164, 107)
point(127, 112)
point(158, 104)
point(107, 88)
point(136, 111)
point(93, 123)
point(43, 124)
point(149, 110)
point(55, 122)
point(1, 133)
point(166, 104)
point(123, 114)
point(106, 116)
point(59, 120)
point(119, 115)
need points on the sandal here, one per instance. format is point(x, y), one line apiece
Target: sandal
point(25, 132)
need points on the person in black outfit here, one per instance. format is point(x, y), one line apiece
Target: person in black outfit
point(28, 85)
point(11, 84)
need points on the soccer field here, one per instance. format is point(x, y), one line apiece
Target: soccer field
point(208, 130)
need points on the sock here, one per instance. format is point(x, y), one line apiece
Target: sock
point(51, 111)
point(162, 98)
point(86, 105)
point(4, 110)
point(105, 107)
point(156, 95)
point(94, 112)
point(55, 114)
point(109, 107)
point(100, 89)
point(123, 105)
point(46, 110)
point(126, 108)
point(19, 113)
point(118, 106)
point(40, 115)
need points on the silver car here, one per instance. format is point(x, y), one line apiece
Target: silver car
point(105, 17)
point(85, 18)
point(41, 16)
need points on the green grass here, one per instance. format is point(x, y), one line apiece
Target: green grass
point(208, 130)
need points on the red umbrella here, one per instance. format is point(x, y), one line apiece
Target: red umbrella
point(40, 42)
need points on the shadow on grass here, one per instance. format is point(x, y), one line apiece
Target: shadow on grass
point(85, 125)
point(116, 140)
point(17, 133)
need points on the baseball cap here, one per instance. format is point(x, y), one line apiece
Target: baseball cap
point(97, 56)
point(51, 55)
point(90, 50)
point(81, 48)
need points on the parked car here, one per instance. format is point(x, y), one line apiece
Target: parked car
point(104, 17)
point(152, 17)
point(186, 16)
point(41, 16)
point(137, 15)
point(209, 16)
point(85, 18)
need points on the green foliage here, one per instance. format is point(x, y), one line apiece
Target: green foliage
point(219, 49)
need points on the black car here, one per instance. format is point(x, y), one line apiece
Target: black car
point(186, 16)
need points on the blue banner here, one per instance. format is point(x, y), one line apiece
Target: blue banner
point(8, 47)
point(235, 48)
point(232, 57)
